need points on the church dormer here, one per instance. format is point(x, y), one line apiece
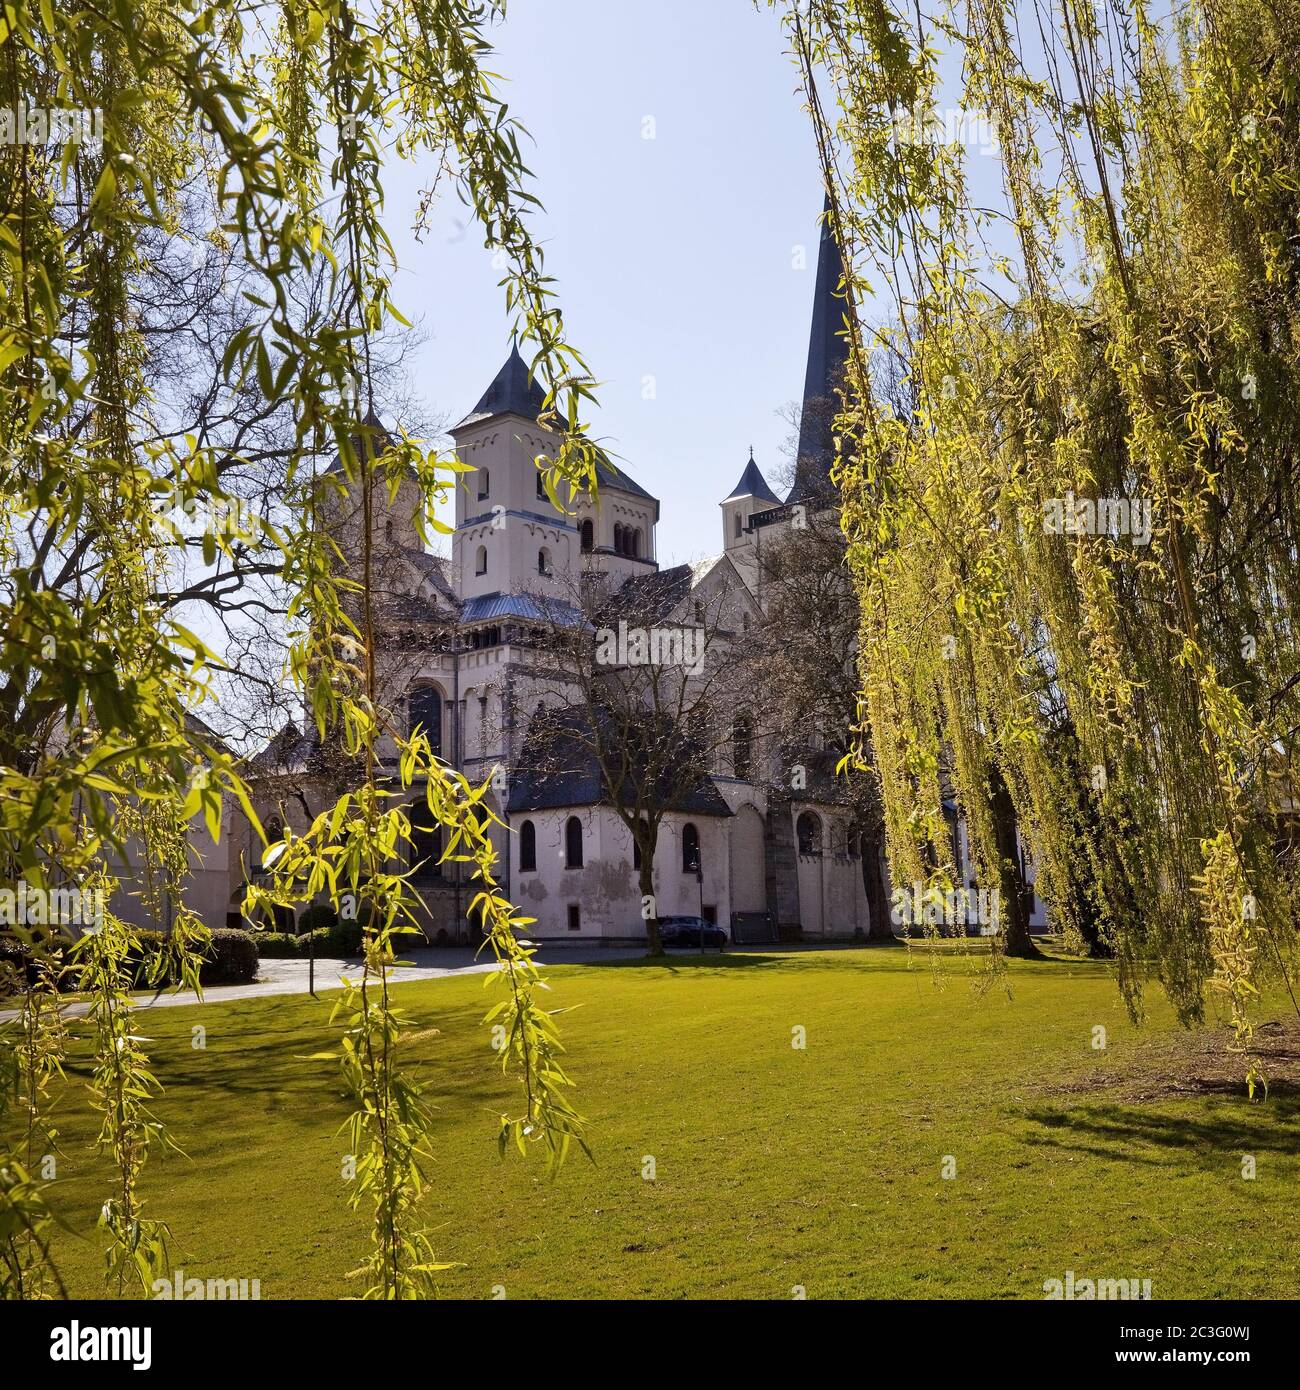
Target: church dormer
point(751, 494)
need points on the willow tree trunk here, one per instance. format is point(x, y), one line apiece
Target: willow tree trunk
point(1013, 890)
point(873, 880)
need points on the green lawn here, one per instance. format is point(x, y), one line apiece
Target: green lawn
point(776, 1167)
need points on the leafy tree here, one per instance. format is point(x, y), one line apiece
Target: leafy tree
point(1076, 554)
point(275, 119)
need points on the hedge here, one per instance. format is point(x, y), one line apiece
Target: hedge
point(231, 958)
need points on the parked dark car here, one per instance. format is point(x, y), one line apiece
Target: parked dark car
point(685, 931)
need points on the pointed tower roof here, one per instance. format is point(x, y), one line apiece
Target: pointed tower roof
point(513, 392)
point(828, 353)
point(372, 434)
point(753, 484)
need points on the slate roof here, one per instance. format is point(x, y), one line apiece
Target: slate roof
point(653, 596)
point(534, 608)
point(752, 484)
point(512, 392)
point(558, 768)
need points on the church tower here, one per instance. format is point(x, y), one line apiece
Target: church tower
point(828, 355)
point(509, 539)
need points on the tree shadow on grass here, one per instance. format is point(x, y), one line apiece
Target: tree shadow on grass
point(1131, 1133)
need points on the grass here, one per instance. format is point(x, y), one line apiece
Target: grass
point(775, 1167)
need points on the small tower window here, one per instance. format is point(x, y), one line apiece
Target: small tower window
point(484, 484)
point(636, 543)
point(480, 560)
point(618, 538)
point(544, 561)
point(737, 525)
point(588, 534)
point(573, 844)
point(541, 488)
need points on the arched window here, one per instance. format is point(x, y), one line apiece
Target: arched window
point(527, 848)
point(573, 844)
point(426, 845)
point(636, 543)
point(739, 521)
point(618, 538)
point(541, 488)
point(588, 534)
point(543, 561)
point(741, 746)
point(484, 484)
point(424, 705)
point(690, 849)
point(480, 560)
point(809, 830)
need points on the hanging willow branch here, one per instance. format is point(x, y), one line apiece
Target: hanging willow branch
point(111, 117)
point(1075, 548)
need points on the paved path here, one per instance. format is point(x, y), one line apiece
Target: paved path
point(291, 976)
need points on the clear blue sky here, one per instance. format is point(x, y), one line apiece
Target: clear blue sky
point(673, 256)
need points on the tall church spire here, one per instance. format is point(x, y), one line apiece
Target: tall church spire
point(828, 353)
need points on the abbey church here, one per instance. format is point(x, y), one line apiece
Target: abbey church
point(466, 648)
point(468, 653)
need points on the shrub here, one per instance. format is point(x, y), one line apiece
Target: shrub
point(231, 958)
point(344, 938)
point(318, 917)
